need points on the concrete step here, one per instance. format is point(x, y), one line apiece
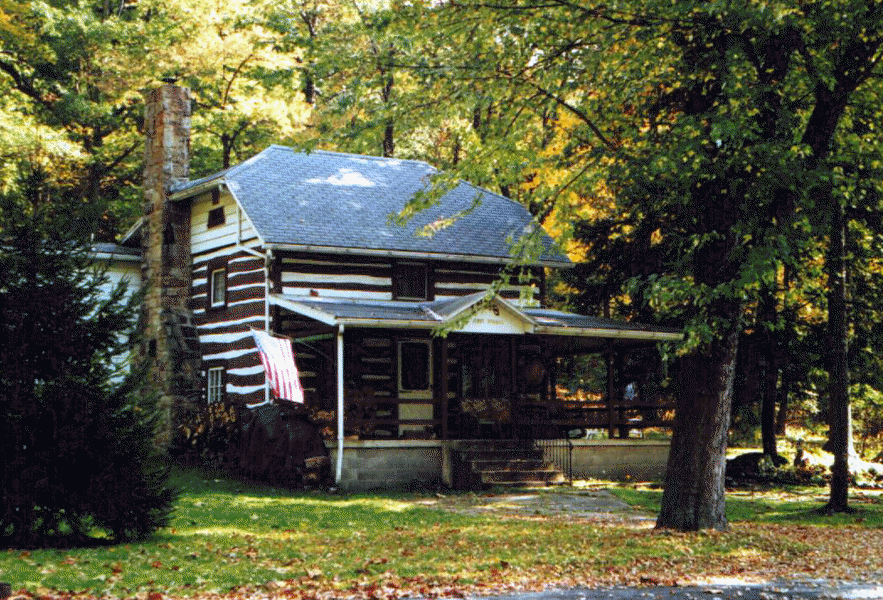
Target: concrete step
point(508, 455)
point(505, 464)
point(496, 477)
point(508, 464)
point(500, 463)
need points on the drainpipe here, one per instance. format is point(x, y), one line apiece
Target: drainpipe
point(338, 474)
point(268, 260)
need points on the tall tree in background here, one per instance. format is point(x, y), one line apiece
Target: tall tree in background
point(715, 128)
point(68, 73)
point(240, 80)
point(74, 73)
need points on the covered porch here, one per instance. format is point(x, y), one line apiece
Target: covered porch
point(374, 370)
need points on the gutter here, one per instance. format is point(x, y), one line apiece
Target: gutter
point(196, 190)
point(411, 255)
point(134, 258)
point(367, 323)
point(629, 334)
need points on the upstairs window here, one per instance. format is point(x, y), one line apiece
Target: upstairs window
point(410, 281)
point(217, 287)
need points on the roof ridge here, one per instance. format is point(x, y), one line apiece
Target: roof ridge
point(487, 191)
point(353, 155)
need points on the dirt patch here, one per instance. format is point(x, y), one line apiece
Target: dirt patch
point(583, 505)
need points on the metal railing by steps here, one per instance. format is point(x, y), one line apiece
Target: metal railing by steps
point(559, 452)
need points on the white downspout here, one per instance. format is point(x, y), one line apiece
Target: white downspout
point(268, 259)
point(338, 473)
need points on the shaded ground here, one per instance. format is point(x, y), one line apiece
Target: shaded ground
point(584, 505)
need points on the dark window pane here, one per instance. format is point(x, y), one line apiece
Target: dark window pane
point(216, 217)
point(415, 366)
point(411, 282)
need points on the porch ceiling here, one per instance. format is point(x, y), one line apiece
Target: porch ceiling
point(570, 332)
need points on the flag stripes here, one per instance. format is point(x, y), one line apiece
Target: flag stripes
point(277, 357)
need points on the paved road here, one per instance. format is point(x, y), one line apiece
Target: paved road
point(799, 590)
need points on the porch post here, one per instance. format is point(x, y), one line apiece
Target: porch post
point(338, 473)
point(620, 396)
point(611, 389)
point(514, 392)
point(444, 387)
point(553, 381)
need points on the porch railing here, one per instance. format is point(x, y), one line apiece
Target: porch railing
point(382, 417)
point(376, 417)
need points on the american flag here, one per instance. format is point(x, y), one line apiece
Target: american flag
point(277, 357)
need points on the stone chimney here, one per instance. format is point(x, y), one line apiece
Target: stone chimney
point(172, 362)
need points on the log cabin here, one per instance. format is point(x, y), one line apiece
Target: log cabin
point(421, 347)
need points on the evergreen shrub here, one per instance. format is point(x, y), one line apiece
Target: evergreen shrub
point(77, 441)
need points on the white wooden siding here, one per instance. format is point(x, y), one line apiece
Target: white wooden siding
point(224, 332)
point(236, 227)
point(121, 271)
point(337, 279)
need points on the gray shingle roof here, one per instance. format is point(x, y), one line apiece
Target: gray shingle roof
point(559, 319)
point(110, 250)
point(377, 311)
point(333, 200)
point(426, 315)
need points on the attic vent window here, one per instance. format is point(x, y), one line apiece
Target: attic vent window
point(216, 217)
point(411, 282)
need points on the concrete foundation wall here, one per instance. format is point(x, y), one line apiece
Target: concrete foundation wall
point(619, 459)
point(389, 464)
point(412, 463)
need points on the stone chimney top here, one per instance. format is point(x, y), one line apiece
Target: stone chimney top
point(167, 132)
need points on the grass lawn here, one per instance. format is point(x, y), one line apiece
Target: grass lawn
point(797, 505)
point(234, 539)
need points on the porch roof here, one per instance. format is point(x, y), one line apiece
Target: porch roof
point(476, 313)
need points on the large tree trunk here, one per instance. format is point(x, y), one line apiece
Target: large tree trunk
point(769, 401)
point(769, 369)
point(838, 377)
point(694, 479)
point(782, 414)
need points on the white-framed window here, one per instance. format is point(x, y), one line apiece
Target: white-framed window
point(215, 387)
point(415, 367)
point(217, 287)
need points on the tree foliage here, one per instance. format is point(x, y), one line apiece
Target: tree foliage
point(707, 148)
point(72, 74)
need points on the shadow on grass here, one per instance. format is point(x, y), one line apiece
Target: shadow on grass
point(783, 506)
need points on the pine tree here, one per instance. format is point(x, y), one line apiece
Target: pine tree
point(77, 447)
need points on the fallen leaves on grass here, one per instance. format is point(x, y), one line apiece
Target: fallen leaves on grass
point(751, 552)
point(495, 545)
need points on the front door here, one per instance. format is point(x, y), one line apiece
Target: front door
point(486, 385)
